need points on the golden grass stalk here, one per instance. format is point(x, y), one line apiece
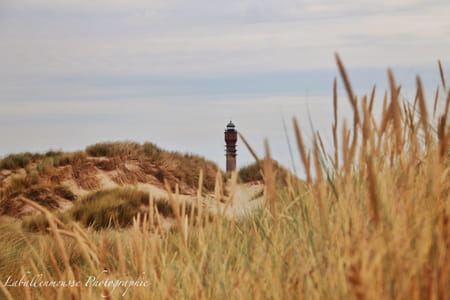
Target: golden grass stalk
point(151, 203)
point(301, 147)
point(372, 98)
point(27, 289)
point(233, 188)
point(345, 147)
point(324, 154)
point(442, 131)
point(436, 98)
point(373, 202)
point(5, 291)
point(423, 111)
point(52, 221)
point(252, 152)
point(335, 125)
point(176, 209)
point(395, 113)
point(269, 181)
point(348, 88)
point(120, 256)
point(441, 72)
point(199, 198)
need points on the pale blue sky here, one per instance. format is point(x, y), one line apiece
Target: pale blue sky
point(173, 72)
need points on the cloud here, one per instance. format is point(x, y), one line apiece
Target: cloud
point(71, 69)
point(201, 37)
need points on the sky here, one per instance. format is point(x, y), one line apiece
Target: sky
point(78, 72)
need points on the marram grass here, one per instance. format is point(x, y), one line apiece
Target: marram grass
point(371, 221)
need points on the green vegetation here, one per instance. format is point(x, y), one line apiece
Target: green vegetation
point(111, 149)
point(249, 173)
point(107, 208)
point(16, 161)
point(50, 158)
point(111, 208)
point(253, 172)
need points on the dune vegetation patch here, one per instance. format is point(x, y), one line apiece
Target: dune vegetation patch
point(57, 176)
point(110, 208)
point(253, 173)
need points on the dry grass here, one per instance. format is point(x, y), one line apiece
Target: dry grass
point(373, 225)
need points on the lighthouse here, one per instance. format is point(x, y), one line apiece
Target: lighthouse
point(230, 150)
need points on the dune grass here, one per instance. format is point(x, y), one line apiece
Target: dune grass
point(371, 221)
point(183, 167)
point(253, 172)
point(54, 168)
point(49, 158)
point(109, 208)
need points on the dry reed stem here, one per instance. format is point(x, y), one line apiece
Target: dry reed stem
point(348, 87)
point(234, 180)
point(317, 165)
point(366, 127)
point(52, 223)
point(352, 99)
point(159, 228)
point(302, 150)
point(442, 127)
point(93, 249)
point(416, 100)
point(83, 247)
point(199, 199)
point(5, 291)
point(269, 181)
point(423, 111)
point(353, 148)
point(436, 97)
point(335, 125)
point(373, 202)
point(218, 194)
point(290, 186)
point(103, 252)
point(27, 288)
point(322, 147)
point(441, 72)
point(218, 187)
point(335, 99)
point(252, 152)
point(176, 210)
point(151, 203)
point(395, 111)
point(120, 255)
point(356, 282)
point(138, 244)
point(318, 188)
point(233, 188)
point(55, 266)
point(372, 98)
point(447, 105)
point(345, 147)
point(46, 292)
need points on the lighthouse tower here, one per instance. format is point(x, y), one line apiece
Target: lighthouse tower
point(230, 140)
